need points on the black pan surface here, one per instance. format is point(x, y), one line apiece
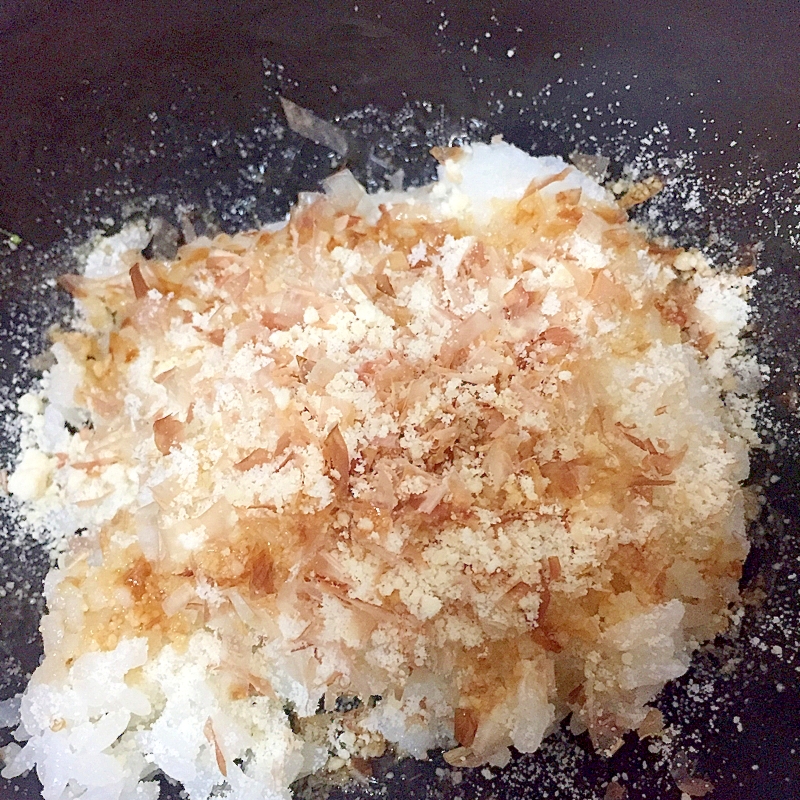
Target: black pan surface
point(109, 109)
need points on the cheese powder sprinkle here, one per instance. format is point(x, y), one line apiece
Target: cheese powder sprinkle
point(422, 469)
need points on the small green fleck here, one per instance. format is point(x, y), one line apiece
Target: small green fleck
point(13, 240)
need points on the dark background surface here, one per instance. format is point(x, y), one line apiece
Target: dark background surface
point(136, 98)
point(80, 77)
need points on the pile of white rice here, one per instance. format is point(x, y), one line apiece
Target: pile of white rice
point(468, 457)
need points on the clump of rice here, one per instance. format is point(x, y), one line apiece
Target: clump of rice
point(469, 455)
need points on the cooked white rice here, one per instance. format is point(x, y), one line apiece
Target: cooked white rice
point(465, 449)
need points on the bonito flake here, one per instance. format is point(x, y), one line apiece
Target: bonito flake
point(422, 469)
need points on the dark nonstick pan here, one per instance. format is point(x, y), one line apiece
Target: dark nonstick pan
point(111, 109)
